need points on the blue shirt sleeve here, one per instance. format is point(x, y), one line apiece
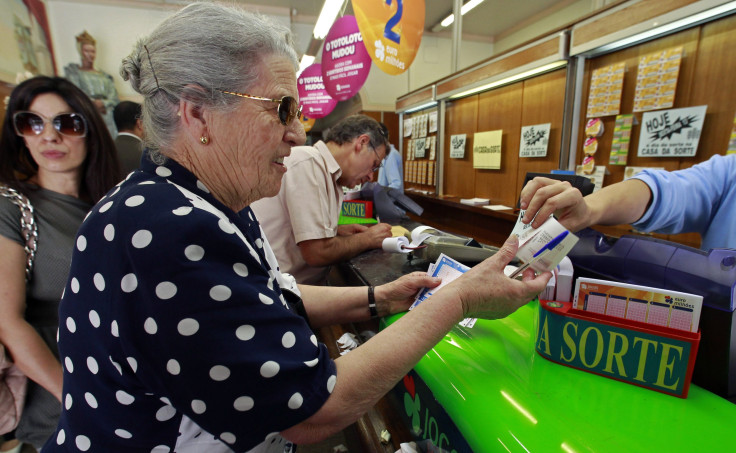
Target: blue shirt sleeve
point(697, 199)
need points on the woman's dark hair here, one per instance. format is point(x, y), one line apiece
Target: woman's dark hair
point(100, 170)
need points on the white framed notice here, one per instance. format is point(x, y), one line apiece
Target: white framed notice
point(671, 133)
point(534, 140)
point(457, 146)
point(420, 145)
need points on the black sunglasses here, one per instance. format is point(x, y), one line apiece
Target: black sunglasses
point(288, 108)
point(29, 124)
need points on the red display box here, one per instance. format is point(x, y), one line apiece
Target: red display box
point(646, 355)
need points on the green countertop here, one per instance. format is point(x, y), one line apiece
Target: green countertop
point(503, 396)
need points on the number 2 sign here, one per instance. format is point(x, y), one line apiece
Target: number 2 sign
point(392, 31)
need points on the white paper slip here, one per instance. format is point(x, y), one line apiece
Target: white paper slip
point(531, 240)
point(474, 201)
point(498, 207)
point(448, 270)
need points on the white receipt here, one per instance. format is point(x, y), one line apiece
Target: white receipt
point(420, 234)
point(401, 244)
point(531, 240)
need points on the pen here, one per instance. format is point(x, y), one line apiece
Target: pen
point(539, 255)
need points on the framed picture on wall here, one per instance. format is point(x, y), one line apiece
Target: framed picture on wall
point(27, 50)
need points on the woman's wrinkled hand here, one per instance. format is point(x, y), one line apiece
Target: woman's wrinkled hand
point(398, 295)
point(486, 292)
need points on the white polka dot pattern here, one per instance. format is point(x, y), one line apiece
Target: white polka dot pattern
point(296, 400)
point(99, 281)
point(150, 326)
point(188, 327)
point(245, 332)
point(141, 239)
point(243, 403)
point(220, 293)
point(92, 365)
point(129, 283)
point(184, 296)
point(269, 369)
point(165, 290)
point(173, 367)
point(219, 373)
point(199, 407)
point(83, 443)
point(194, 252)
point(109, 232)
point(94, 318)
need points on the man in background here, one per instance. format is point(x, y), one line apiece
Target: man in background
point(391, 173)
point(129, 141)
point(301, 222)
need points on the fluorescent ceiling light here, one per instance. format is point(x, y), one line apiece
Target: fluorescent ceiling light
point(307, 60)
point(511, 79)
point(464, 9)
point(330, 10)
point(421, 107)
point(668, 28)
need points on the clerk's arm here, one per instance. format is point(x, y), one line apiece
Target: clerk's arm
point(326, 251)
point(620, 203)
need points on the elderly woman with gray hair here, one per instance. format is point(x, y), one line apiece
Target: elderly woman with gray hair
point(177, 330)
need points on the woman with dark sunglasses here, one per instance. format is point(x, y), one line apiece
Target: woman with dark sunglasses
point(179, 331)
point(55, 150)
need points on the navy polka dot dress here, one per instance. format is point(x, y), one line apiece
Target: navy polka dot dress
point(176, 328)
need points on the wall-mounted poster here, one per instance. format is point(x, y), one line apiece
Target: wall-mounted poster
point(345, 62)
point(534, 140)
point(621, 139)
point(656, 81)
point(433, 121)
point(24, 32)
point(420, 145)
point(408, 122)
point(457, 146)
point(487, 149)
point(606, 85)
point(668, 133)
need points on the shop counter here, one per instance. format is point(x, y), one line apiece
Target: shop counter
point(485, 388)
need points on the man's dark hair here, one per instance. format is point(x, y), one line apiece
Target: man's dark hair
point(385, 131)
point(126, 114)
point(354, 126)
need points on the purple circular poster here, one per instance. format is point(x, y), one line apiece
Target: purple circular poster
point(345, 61)
point(314, 99)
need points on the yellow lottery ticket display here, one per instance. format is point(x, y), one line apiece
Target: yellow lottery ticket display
point(392, 31)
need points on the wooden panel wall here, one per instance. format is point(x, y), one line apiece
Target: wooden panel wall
point(461, 117)
point(535, 101)
point(706, 78)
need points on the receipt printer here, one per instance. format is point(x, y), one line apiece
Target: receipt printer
point(663, 264)
point(466, 250)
